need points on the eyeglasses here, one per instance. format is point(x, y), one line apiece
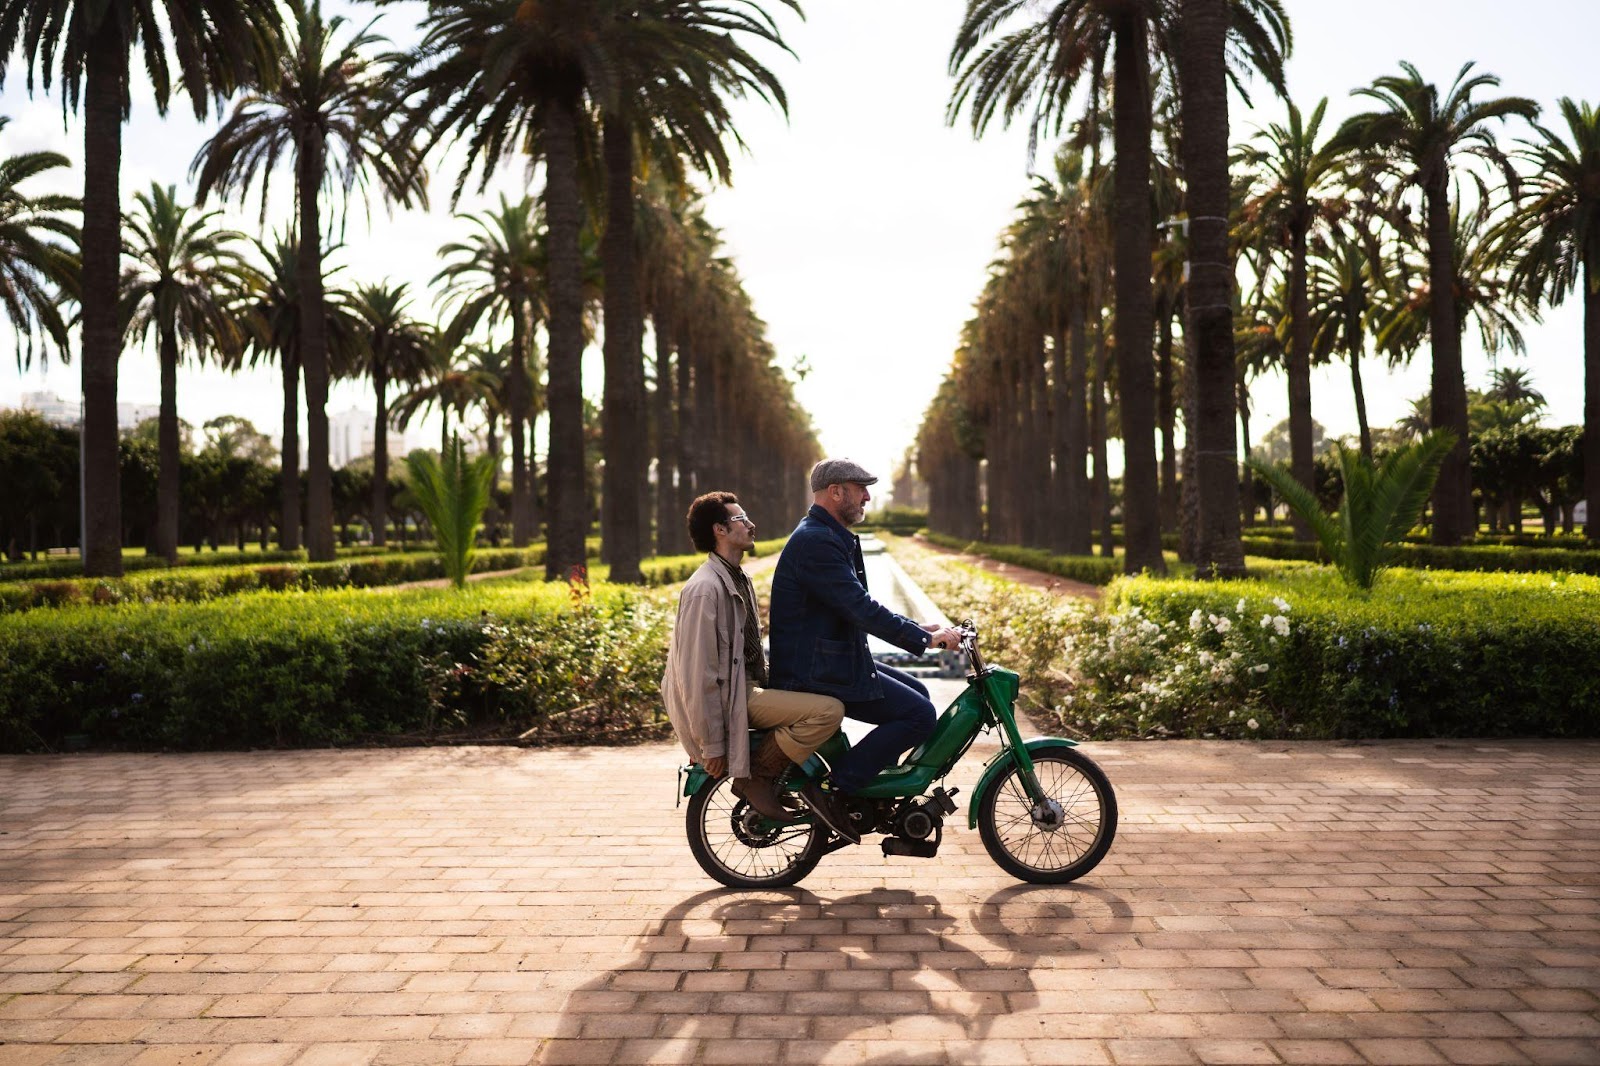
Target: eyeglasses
point(746, 519)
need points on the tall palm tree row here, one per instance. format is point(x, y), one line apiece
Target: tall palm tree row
point(89, 46)
point(325, 104)
point(187, 283)
point(397, 349)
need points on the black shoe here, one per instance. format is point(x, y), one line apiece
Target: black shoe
point(830, 807)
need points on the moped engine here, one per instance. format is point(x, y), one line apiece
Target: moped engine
point(918, 827)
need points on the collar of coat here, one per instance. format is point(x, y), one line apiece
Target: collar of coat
point(821, 514)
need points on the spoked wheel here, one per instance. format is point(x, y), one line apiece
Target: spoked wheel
point(1059, 839)
point(740, 848)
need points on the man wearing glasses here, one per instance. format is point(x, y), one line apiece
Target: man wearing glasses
point(821, 615)
point(716, 685)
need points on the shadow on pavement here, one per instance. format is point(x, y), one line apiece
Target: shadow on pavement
point(788, 973)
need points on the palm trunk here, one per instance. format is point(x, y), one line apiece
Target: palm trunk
point(1166, 413)
point(623, 414)
point(1452, 494)
point(686, 431)
point(517, 396)
point(1301, 461)
point(314, 352)
point(289, 536)
point(1247, 480)
point(666, 439)
point(1361, 402)
point(1100, 485)
point(1080, 530)
point(107, 62)
point(1141, 505)
point(1060, 501)
point(1591, 402)
point(166, 539)
point(380, 459)
point(569, 506)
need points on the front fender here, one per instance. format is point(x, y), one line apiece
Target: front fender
point(997, 766)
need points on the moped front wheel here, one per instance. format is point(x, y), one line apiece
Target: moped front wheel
point(737, 846)
point(1060, 838)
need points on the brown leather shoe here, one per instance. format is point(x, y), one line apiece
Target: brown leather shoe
point(760, 789)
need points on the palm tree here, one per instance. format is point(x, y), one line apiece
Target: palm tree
point(1203, 93)
point(185, 283)
point(36, 272)
point(276, 333)
point(90, 44)
point(1554, 232)
point(449, 385)
point(397, 349)
point(1044, 60)
point(1418, 135)
point(679, 62)
point(1300, 192)
point(1343, 290)
point(325, 104)
point(500, 76)
point(497, 277)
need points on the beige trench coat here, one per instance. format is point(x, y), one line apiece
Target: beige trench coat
point(704, 688)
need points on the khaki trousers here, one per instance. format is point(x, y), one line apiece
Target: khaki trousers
point(800, 721)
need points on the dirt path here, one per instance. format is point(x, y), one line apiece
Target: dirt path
point(1020, 574)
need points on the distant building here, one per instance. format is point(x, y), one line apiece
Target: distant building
point(351, 436)
point(52, 408)
point(59, 412)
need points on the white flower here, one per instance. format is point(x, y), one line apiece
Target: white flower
point(1266, 620)
point(1195, 621)
point(1260, 668)
point(1281, 624)
point(1280, 604)
point(1223, 625)
point(1253, 724)
point(1241, 606)
point(1230, 714)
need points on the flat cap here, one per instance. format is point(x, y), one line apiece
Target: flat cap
point(837, 472)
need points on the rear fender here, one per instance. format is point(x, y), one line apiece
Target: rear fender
point(1001, 762)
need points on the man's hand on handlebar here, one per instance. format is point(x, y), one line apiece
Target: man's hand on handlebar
point(943, 637)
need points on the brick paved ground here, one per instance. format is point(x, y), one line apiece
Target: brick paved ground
point(1394, 903)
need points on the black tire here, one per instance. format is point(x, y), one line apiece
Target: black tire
point(737, 847)
point(1039, 854)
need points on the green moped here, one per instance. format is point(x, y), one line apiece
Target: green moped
point(1045, 811)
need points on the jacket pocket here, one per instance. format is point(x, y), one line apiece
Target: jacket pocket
point(833, 661)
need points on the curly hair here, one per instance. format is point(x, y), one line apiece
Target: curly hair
point(705, 512)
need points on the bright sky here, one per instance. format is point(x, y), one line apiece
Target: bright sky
point(863, 226)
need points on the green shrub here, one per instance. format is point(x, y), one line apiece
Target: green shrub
point(1089, 569)
point(1429, 654)
point(285, 669)
point(1501, 558)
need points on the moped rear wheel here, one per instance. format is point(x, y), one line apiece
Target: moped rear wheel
point(738, 847)
point(1060, 839)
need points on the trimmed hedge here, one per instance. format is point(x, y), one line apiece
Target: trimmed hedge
point(1426, 654)
point(197, 584)
point(294, 668)
point(1497, 558)
point(1089, 569)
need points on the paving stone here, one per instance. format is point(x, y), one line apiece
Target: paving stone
point(1407, 902)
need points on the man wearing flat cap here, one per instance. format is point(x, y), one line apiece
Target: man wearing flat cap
point(821, 616)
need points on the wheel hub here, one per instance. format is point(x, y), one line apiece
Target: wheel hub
point(1048, 815)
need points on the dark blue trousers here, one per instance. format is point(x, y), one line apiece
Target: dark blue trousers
point(905, 718)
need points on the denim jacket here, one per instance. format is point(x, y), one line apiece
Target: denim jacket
point(821, 615)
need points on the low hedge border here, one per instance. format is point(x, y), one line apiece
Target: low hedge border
point(1426, 654)
point(198, 584)
point(1491, 558)
point(1089, 569)
point(273, 669)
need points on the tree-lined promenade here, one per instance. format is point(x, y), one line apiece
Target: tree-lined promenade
point(616, 104)
point(1138, 290)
